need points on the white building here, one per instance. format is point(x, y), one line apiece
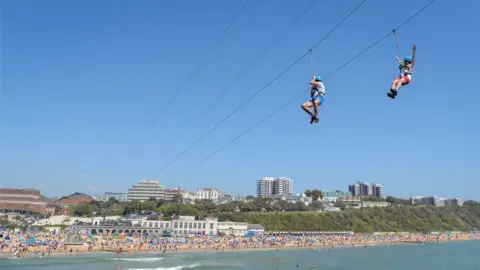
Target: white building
point(454, 202)
point(430, 200)
point(378, 191)
point(208, 194)
point(232, 228)
point(145, 190)
point(187, 225)
point(374, 204)
point(265, 187)
point(283, 186)
point(119, 196)
point(268, 186)
point(189, 197)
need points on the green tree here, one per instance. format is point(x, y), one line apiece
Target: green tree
point(471, 203)
point(300, 206)
point(81, 210)
point(397, 201)
point(339, 203)
point(316, 205)
point(317, 194)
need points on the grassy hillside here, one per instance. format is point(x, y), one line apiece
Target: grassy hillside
point(408, 218)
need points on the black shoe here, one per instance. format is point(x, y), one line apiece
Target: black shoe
point(312, 120)
point(392, 94)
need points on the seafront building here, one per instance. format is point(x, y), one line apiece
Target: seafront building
point(15, 201)
point(145, 190)
point(179, 226)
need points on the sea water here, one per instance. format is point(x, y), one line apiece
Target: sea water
point(459, 255)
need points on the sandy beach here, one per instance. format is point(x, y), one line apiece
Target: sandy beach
point(49, 244)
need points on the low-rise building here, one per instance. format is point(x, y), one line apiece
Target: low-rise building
point(374, 204)
point(232, 228)
point(208, 194)
point(189, 197)
point(454, 202)
point(255, 228)
point(119, 196)
point(172, 194)
point(333, 196)
point(435, 200)
point(181, 226)
point(187, 225)
point(225, 198)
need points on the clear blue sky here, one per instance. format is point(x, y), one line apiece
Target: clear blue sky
point(82, 82)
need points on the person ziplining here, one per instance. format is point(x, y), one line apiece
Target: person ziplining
point(317, 93)
point(406, 67)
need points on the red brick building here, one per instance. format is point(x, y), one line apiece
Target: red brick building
point(21, 201)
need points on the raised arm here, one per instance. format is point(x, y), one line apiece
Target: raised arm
point(414, 48)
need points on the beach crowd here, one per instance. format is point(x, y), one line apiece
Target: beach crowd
point(15, 243)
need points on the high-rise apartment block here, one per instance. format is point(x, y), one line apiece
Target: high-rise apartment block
point(366, 189)
point(265, 186)
point(268, 186)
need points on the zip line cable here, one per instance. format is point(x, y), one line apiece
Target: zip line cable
point(398, 44)
point(159, 117)
point(258, 60)
point(311, 61)
point(258, 92)
point(303, 92)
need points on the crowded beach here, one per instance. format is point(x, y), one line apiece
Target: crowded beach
point(68, 242)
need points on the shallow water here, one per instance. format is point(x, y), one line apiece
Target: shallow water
point(444, 256)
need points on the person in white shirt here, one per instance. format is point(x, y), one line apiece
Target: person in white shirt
point(406, 69)
point(317, 93)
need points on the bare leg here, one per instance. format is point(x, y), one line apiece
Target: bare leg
point(400, 84)
point(394, 84)
point(316, 104)
point(393, 91)
point(306, 107)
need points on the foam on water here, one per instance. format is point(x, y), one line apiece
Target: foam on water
point(180, 267)
point(139, 259)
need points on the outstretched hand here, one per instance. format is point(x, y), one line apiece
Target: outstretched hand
point(414, 47)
